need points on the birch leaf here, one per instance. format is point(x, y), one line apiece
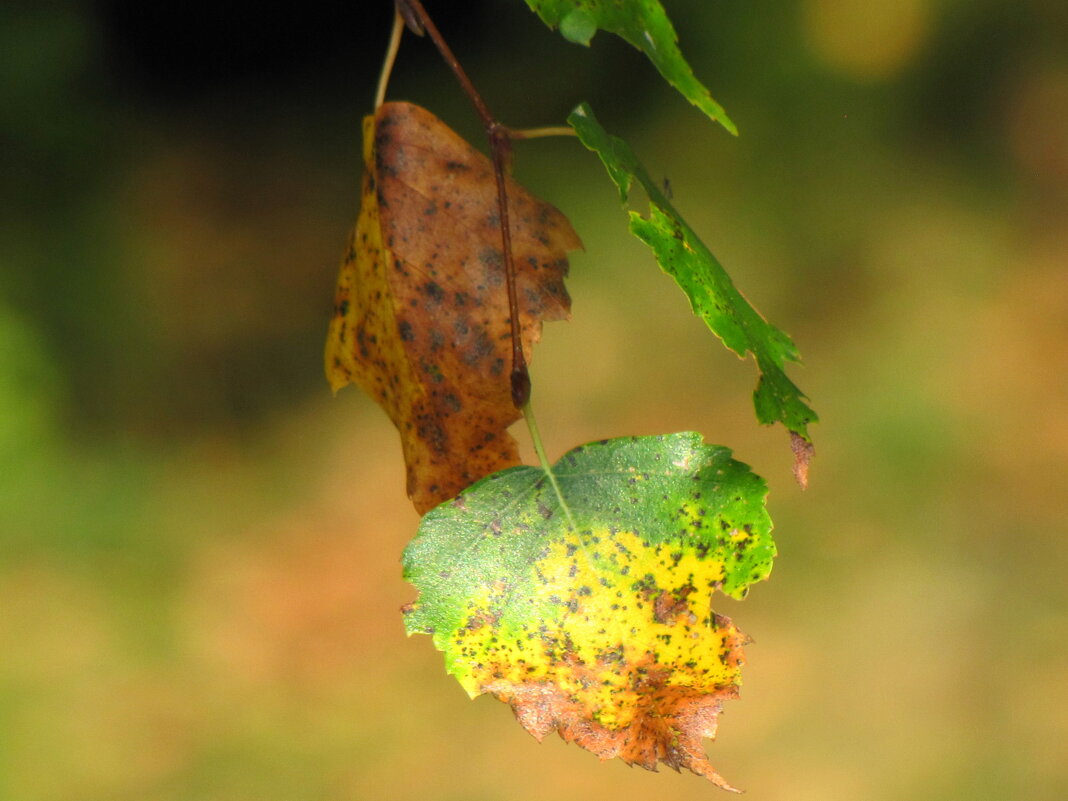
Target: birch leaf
point(421, 318)
point(712, 294)
point(589, 611)
point(644, 25)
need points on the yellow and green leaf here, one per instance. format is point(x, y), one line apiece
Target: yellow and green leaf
point(591, 611)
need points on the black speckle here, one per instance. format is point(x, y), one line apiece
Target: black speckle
point(433, 291)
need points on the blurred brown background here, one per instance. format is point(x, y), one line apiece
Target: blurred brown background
point(199, 578)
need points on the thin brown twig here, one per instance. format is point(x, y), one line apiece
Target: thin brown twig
point(500, 152)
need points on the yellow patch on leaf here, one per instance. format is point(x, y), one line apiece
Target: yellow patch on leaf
point(629, 659)
point(421, 318)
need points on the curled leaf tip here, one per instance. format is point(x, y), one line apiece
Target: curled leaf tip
point(579, 27)
point(803, 453)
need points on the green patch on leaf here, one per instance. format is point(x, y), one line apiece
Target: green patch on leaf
point(578, 27)
point(712, 294)
point(590, 611)
point(644, 25)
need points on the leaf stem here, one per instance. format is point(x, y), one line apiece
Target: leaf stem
point(539, 448)
point(500, 151)
point(537, 133)
point(391, 56)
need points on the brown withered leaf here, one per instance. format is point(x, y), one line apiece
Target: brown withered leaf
point(421, 318)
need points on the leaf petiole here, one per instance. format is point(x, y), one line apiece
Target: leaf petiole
point(538, 133)
point(539, 448)
point(391, 56)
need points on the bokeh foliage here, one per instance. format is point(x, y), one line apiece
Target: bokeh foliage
point(199, 570)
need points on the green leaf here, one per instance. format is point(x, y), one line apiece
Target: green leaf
point(712, 294)
point(644, 25)
point(590, 611)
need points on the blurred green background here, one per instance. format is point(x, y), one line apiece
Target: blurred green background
point(199, 578)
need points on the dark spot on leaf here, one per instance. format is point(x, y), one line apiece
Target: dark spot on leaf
point(433, 291)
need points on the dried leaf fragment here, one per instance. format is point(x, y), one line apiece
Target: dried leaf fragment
point(421, 318)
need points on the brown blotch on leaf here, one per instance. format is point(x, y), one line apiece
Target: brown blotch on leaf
point(421, 314)
point(669, 606)
point(669, 727)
